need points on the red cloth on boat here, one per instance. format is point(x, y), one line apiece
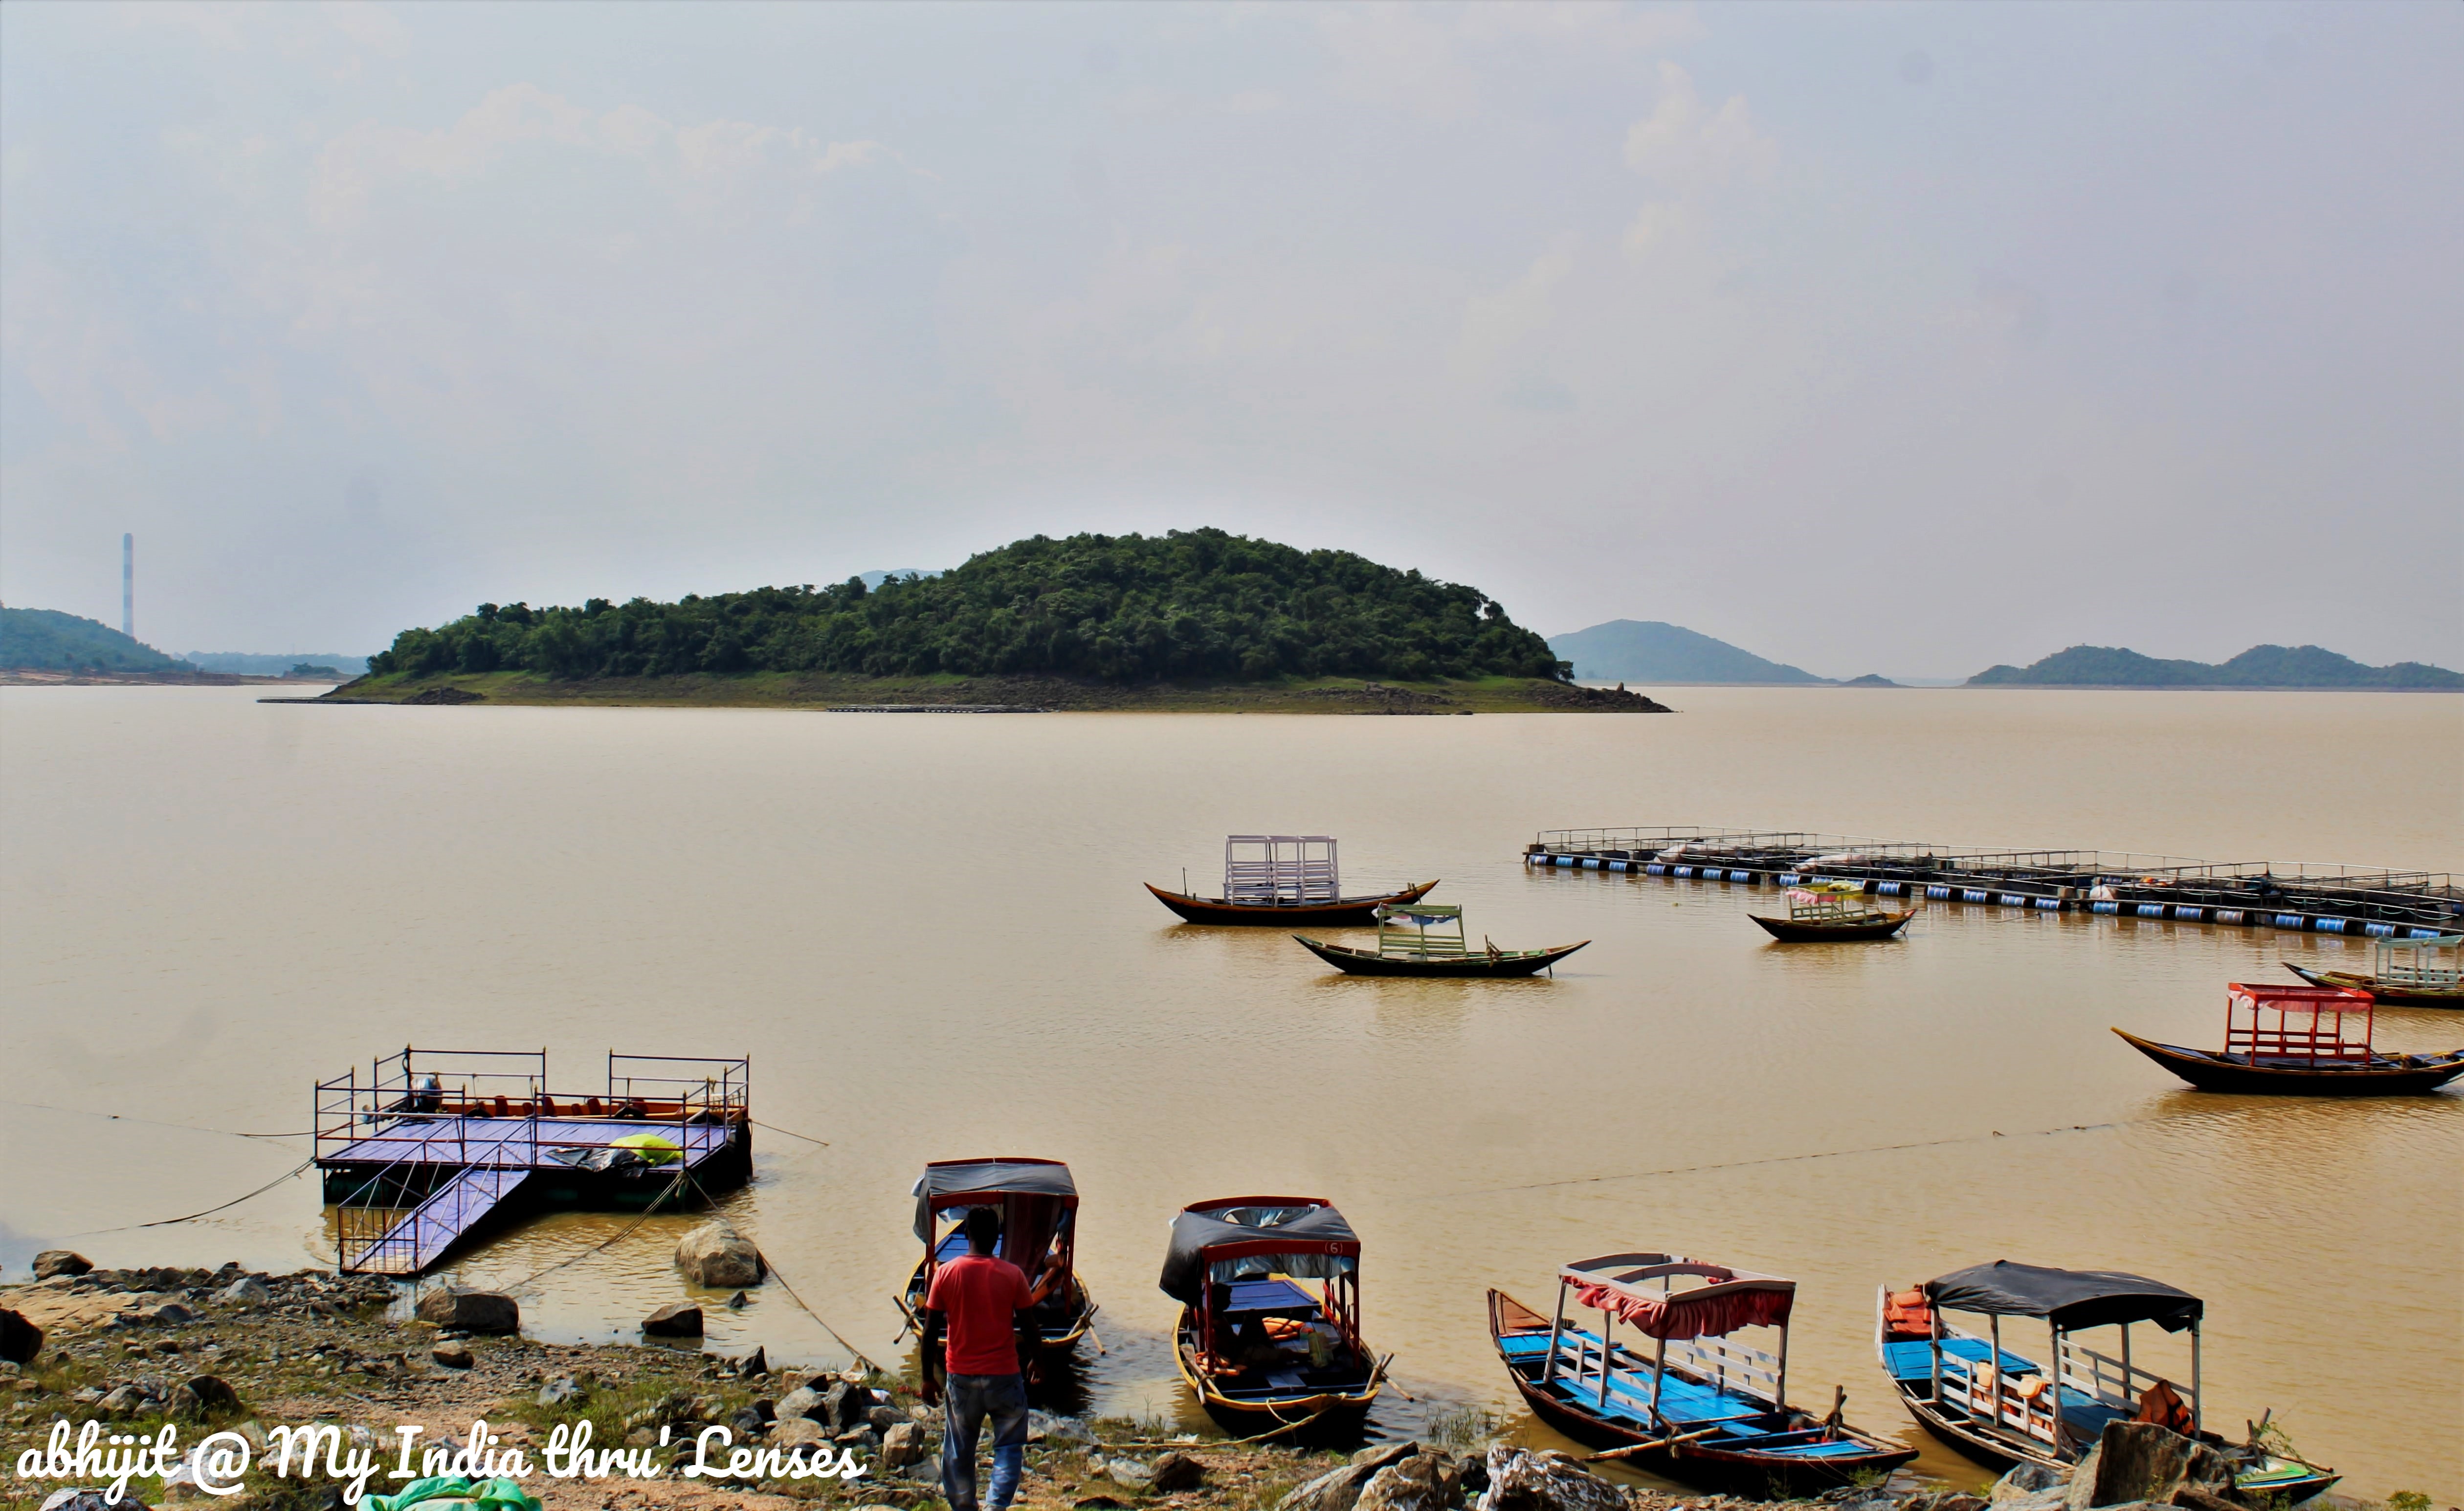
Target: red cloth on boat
point(1709, 1311)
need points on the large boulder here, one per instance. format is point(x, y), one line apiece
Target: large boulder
point(1378, 1455)
point(205, 1395)
point(675, 1320)
point(1523, 1481)
point(716, 1256)
point(472, 1311)
point(802, 1403)
point(797, 1432)
point(245, 1291)
point(1176, 1472)
point(19, 1338)
point(2144, 1461)
point(1420, 1482)
point(2030, 1487)
point(60, 1261)
point(900, 1446)
point(1336, 1490)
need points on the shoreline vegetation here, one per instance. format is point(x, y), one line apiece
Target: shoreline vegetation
point(817, 691)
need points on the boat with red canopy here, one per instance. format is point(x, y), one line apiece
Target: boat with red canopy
point(1038, 1202)
point(1270, 1328)
point(2300, 1040)
point(1697, 1406)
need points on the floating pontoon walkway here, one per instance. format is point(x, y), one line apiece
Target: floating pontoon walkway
point(436, 1143)
point(2317, 899)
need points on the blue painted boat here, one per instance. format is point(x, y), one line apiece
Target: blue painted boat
point(1697, 1406)
point(2002, 1409)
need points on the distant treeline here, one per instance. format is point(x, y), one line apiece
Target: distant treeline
point(1197, 604)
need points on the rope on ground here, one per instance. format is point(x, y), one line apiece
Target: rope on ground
point(788, 1287)
point(208, 1213)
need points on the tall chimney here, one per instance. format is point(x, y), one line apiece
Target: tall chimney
point(128, 585)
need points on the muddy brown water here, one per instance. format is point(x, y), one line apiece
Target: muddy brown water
point(929, 935)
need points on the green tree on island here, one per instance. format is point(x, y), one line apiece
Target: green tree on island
point(1191, 606)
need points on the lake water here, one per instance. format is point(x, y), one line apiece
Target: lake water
point(929, 935)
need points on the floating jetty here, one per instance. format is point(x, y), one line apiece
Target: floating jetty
point(434, 1145)
point(2254, 894)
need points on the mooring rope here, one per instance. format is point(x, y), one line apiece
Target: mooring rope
point(165, 1223)
point(123, 1117)
point(802, 1306)
point(1790, 1159)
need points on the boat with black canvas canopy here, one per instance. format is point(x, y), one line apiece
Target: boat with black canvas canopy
point(2404, 973)
point(2300, 1040)
point(1038, 1202)
point(1697, 1406)
point(2002, 1409)
point(1282, 880)
point(1270, 1328)
point(1832, 911)
point(1427, 940)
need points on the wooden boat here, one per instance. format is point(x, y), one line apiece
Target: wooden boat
point(1831, 912)
point(2300, 1040)
point(1038, 1207)
point(2002, 1409)
point(1280, 880)
point(2405, 972)
point(1427, 940)
point(1698, 1407)
point(1270, 1328)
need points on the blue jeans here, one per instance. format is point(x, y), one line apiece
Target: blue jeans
point(967, 1400)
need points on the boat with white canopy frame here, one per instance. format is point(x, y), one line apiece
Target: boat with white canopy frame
point(2002, 1409)
point(2404, 973)
point(1700, 1407)
point(1282, 880)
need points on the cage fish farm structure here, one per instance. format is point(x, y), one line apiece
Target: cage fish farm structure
point(433, 1147)
point(2250, 895)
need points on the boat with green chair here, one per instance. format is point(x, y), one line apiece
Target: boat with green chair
point(1427, 940)
point(2404, 973)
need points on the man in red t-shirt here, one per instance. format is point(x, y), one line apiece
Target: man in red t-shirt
point(979, 1296)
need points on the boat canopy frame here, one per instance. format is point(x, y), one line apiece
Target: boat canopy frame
point(1614, 1284)
point(2070, 1302)
point(2310, 1023)
point(1281, 868)
point(1208, 1234)
point(1037, 1198)
point(2420, 965)
point(1419, 931)
point(1830, 902)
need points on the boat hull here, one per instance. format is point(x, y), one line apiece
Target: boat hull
point(1738, 1471)
point(2384, 996)
point(2211, 1072)
point(1361, 911)
point(1788, 932)
point(1477, 967)
point(1301, 1414)
point(2001, 1456)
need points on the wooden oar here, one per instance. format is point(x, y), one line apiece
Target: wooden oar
point(1380, 1373)
point(1646, 1448)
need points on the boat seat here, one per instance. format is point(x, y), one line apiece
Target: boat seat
point(1252, 1297)
point(1842, 1449)
point(1913, 1359)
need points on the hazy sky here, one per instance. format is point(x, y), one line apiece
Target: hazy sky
point(1897, 337)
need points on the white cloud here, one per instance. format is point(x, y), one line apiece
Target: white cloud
point(1684, 146)
point(1497, 326)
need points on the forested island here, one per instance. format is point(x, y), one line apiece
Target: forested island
point(1191, 619)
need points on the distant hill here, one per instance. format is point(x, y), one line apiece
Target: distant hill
point(2258, 667)
point(47, 640)
point(248, 664)
point(1871, 679)
point(1646, 650)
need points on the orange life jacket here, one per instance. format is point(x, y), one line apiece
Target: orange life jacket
point(1906, 1314)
